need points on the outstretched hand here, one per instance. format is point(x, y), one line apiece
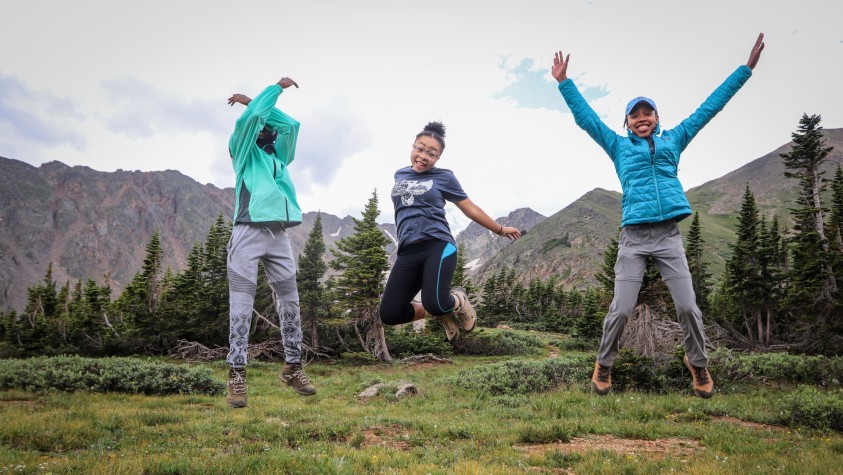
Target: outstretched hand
point(239, 99)
point(560, 66)
point(286, 82)
point(755, 54)
point(510, 232)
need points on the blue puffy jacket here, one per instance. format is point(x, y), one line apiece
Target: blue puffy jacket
point(651, 189)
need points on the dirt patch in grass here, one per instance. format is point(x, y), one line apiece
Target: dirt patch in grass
point(750, 425)
point(653, 449)
point(392, 436)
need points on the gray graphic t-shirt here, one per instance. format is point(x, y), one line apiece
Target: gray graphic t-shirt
point(419, 200)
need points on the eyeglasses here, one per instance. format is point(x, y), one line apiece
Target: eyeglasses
point(428, 153)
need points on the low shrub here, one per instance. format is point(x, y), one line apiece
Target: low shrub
point(520, 376)
point(494, 343)
point(125, 375)
point(406, 342)
point(782, 367)
point(809, 407)
point(575, 344)
point(509, 377)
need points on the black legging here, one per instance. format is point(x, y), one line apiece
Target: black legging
point(427, 266)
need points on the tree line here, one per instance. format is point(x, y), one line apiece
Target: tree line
point(780, 287)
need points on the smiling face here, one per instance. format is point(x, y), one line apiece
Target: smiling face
point(425, 153)
point(642, 120)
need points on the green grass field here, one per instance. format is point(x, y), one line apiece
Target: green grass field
point(445, 429)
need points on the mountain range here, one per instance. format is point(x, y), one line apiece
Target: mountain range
point(92, 224)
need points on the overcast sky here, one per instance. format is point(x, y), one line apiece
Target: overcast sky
point(143, 86)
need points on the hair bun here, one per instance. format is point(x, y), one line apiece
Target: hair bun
point(437, 128)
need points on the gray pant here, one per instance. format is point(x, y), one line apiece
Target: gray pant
point(269, 244)
point(663, 242)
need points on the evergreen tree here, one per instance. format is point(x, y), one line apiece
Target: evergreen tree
point(771, 268)
point(589, 325)
point(363, 261)
point(196, 302)
point(743, 272)
point(700, 275)
point(835, 230)
point(606, 276)
point(139, 304)
point(490, 308)
point(812, 291)
point(309, 279)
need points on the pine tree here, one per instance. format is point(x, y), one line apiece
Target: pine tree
point(139, 303)
point(812, 292)
point(309, 279)
point(589, 325)
point(489, 308)
point(835, 226)
point(363, 261)
point(606, 276)
point(771, 267)
point(743, 272)
point(700, 275)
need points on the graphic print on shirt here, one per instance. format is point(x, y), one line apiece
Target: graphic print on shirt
point(407, 189)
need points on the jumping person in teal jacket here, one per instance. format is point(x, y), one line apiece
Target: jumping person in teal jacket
point(262, 147)
point(647, 161)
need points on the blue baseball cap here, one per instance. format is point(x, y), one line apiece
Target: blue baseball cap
point(631, 105)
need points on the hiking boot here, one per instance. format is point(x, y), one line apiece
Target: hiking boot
point(292, 374)
point(452, 330)
point(601, 379)
point(703, 384)
point(236, 387)
point(464, 311)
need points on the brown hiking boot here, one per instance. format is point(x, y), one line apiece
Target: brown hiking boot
point(292, 374)
point(236, 387)
point(601, 379)
point(703, 384)
point(452, 330)
point(464, 311)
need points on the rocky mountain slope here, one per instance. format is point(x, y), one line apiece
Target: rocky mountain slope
point(590, 222)
point(92, 224)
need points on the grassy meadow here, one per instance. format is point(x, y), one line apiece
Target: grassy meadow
point(445, 429)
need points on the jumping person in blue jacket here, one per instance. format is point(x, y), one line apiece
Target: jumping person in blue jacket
point(262, 147)
point(646, 161)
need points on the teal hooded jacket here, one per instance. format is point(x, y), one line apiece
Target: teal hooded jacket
point(651, 189)
point(264, 192)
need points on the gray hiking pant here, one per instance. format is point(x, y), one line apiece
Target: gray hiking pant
point(663, 242)
point(269, 244)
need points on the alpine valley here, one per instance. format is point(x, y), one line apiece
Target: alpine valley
point(96, 225)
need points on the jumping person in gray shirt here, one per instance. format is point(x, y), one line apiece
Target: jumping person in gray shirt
point(427, 251)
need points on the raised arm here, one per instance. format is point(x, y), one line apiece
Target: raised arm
point(688, 128)
point(256, 115)
point(560, 66)
point(476, 214)
point(584, 115)
point(755, 54)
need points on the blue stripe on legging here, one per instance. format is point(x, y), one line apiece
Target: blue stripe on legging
point(449, 249)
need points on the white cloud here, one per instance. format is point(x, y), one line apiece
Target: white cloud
point(144, 86)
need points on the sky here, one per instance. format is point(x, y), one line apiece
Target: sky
point(143, 86)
